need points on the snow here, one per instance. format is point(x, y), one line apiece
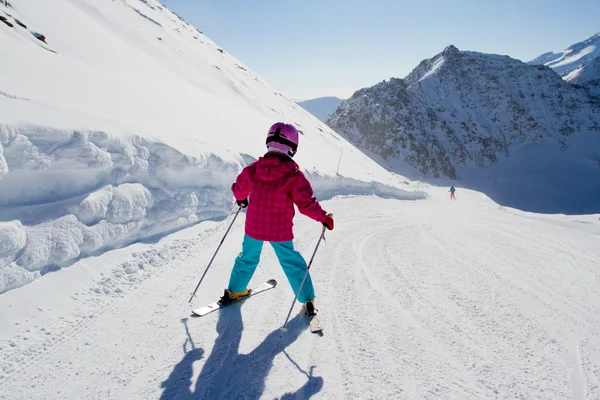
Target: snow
point(128, 123)
point(588, 76)
point(568, 60)
point(541, 177)
point(94, 207)
point(119, 139)
point(419, 299)
point(12, 238)
point(435, 66)
point(574, 58)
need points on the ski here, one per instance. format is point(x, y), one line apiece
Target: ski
point(202, 311)
point(315, 324)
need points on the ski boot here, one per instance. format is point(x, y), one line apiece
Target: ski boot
point(309, 308)
point(229, 296)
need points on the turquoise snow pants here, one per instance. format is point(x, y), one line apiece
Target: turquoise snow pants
point(293, 264)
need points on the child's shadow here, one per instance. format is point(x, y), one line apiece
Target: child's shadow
point(177, 386)
point(230, 375)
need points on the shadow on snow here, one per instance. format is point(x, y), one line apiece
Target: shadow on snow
point(227, 374)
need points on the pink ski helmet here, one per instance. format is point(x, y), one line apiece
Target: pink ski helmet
point(284, 137)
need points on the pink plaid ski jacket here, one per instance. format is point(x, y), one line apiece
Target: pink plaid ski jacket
point(275, 183)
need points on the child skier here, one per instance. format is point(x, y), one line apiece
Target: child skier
point(452, 190)
point(274, 183)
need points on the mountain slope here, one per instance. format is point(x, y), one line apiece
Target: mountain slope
point(587, 75)
point(119, 121)
point(563, 62)
point(322, 107)
point(489, 120)
point(579, 64)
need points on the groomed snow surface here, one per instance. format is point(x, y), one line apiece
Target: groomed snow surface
point(120, 135)
point(425, 299)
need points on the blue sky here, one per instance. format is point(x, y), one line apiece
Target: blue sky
point(314, 48)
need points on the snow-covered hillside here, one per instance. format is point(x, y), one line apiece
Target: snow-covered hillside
point(588, 76)
point(579, 64)
point(119, 121)
point(518, 132)
point(565, 61)
point(322, 107)
point(429, 299)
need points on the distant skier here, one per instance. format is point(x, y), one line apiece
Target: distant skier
point(452, 190)
point(274, 183)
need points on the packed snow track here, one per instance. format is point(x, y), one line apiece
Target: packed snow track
point(427, 299)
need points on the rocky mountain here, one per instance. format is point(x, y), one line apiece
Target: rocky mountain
point(321, 107)
point(460, 113)
point(568, 60)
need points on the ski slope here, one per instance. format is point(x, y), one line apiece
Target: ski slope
point(127, 123)
point(424, 299)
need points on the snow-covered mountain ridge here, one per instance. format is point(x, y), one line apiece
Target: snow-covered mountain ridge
point(579, 64)
point(587, 75)
point(119, 121)
point(568, 60)
point(461, 114)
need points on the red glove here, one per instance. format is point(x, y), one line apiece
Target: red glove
point(328, 222)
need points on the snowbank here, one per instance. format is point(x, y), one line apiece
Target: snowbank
point(12, 240)
point(71, 194)
point(78, 193)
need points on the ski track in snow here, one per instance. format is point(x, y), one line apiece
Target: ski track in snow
point(87, 327)
point(427, 299)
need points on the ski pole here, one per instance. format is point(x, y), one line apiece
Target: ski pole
point(214, 255)
point(305, 276)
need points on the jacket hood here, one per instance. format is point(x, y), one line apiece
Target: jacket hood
point(274, 166)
